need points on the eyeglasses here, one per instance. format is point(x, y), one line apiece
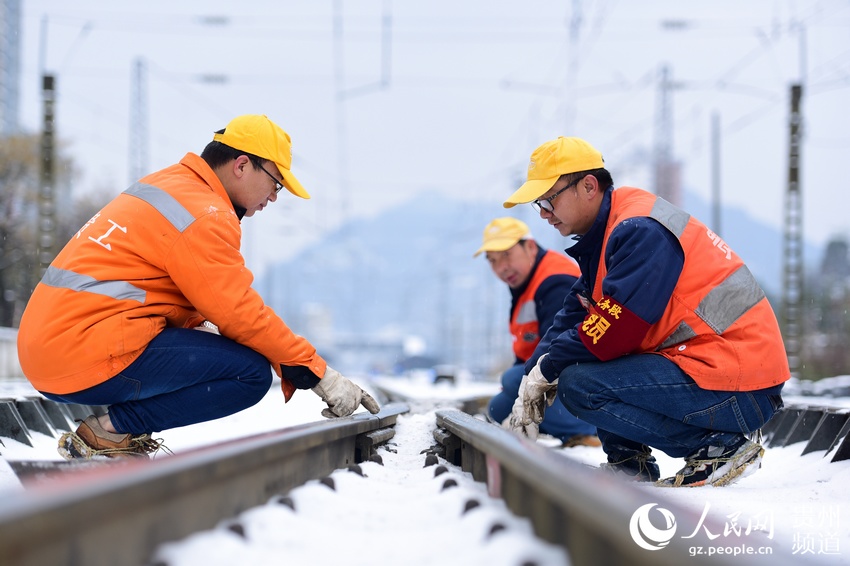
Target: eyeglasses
point(542, 204)
point(277, 184)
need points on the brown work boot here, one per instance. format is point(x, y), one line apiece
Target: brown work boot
point(582, 440)
point(90, 439)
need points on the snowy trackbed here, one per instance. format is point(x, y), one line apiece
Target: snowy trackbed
point(116, 513)
point(109, 513)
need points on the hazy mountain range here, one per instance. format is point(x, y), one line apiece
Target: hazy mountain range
point(410, 271)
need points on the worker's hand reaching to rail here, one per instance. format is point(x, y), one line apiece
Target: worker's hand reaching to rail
point(342, 396)
point(535, 394)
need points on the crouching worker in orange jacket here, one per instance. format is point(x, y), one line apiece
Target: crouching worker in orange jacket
point(115, 320)
point(666, 340)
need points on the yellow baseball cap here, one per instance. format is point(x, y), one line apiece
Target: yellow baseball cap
point(502, 234)
point(550, 161)
point(257, 135)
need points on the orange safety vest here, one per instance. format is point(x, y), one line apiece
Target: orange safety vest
point(525, 327)
point(718, 326)
point(164, 253)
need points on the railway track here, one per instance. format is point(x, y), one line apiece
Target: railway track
point(119, 513)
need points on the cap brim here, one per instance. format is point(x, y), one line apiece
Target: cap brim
point(499, 245)
point(530, 191)
point(291, 183)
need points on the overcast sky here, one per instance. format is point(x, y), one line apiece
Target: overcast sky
point(453, 95)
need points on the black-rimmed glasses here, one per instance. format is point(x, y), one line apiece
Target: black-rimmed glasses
point(277, 184)
point(542, 204)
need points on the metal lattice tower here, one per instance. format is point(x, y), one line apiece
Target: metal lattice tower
point(792, 272)
point(46, 244)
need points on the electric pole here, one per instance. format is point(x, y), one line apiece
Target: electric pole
point(46, 207)
point(10, 66)
point(716, 206)
point(792, 273)
point(138, 121)
point(667, 175)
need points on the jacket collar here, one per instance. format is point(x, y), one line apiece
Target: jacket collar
point(205, 172)
point(585, 243)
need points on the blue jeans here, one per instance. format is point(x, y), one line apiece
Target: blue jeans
point(557, 421)
point(647, 400)
point(183, 377)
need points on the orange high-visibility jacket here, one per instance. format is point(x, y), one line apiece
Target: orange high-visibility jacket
point(164, 253)
point(718, 326)
point(524, 326)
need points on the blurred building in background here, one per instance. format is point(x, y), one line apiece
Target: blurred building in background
point(10, 64)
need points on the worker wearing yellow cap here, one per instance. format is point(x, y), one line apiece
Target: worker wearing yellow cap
point(114, 320)
point(538, 280)
point(666, 341)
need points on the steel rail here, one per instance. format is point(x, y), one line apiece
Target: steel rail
point(569, 504)
point(119, 514)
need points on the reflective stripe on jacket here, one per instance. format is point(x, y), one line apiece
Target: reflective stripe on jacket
point(718, 325)
point(524, 325)
point(163, 253)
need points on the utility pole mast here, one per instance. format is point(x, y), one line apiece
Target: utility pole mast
point(716, 207)
point(572, 68)
point(46, 201)
point(792, 272)
point(666, 170)
point(343, 93)
point(138, 122)
point(10, 56)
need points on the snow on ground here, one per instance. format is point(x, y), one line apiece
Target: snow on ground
point(802, 503)
point(398, 513)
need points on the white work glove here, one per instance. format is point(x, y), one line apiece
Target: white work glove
point(208, 326)
point(342, 396)
point(535, 394)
